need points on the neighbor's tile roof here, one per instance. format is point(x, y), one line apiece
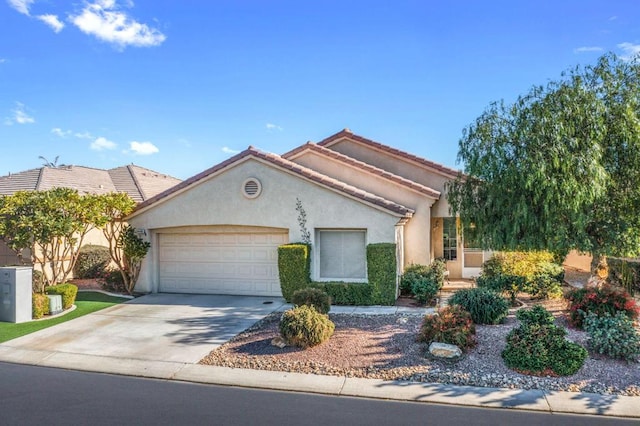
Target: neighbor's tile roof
point(292, 167)
point(347, 134)
point(363, 166)
point(138, 182)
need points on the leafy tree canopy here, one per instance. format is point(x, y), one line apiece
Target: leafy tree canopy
point(559, 169)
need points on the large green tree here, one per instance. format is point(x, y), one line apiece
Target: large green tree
point(559, 169)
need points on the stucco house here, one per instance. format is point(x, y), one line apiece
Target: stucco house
point(218, 231)
point(140, 183)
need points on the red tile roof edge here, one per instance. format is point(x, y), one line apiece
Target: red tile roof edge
point(291, 166)
point(364, 166)
point(346, 133)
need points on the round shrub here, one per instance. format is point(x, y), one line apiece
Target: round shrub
point(510, 285)
point(313, 297)
point(600, 301)
point(39, 305)
point(113, 281)
point(613, 336)
point(539, 347)
point(67, 291)
point(92, 261)
point(412, 273)
point(451, 324)
point(485, 306)
point(305, 327)
point(536, 315)
point(424, 289)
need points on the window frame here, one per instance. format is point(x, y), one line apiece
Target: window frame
point(319, 251)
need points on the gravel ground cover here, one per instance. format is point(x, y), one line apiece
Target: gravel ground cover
point(385, 347)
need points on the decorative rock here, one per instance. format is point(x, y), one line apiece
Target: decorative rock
point(445, 350)
point(278, 342)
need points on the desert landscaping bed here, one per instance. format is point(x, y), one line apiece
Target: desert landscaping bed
point(385, 347)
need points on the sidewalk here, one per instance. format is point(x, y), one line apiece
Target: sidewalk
point(532, 400)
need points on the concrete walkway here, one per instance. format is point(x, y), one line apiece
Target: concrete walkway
point(201, 326)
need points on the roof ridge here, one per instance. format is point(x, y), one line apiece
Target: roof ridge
point(365, 166)
point(346, 133)
point(136, 182)
point(306, 172)
point(40, 176)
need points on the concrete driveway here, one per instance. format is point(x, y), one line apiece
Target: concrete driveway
point(156, 327)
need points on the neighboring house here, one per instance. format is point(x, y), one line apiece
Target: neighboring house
point(218, 231)
point(140, 183)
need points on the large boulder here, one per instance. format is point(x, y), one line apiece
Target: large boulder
point(445, 351)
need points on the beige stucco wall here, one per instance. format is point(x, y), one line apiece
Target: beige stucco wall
point(401, 167)
point(219, 201)
point(417, 231)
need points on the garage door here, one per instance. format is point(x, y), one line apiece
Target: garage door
point(243, 264)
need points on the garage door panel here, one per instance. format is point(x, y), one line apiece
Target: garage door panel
point(244, 264)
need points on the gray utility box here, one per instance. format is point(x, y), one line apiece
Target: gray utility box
point(15, 293)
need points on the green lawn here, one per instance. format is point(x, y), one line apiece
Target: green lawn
point(86, 302)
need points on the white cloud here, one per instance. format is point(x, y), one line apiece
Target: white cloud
point(585, 49)
point(52, 20)
point(100, 144)
point(103, 20)
point(2, 60)
point(228, 150)
point(143, 148)
point(19, 116)
point(83, 135)
point(60, 133)
point(21, 6)
point(630, 50)
point(271, 127)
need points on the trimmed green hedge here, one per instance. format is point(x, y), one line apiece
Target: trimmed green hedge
point(381, 269)
point(67, 291)
point(343, 293)
point(294, 267)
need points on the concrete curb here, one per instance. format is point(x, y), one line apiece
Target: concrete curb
point(519, 399)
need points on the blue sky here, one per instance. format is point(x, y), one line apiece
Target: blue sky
point(178, 86)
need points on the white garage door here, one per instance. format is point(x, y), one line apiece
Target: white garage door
point(243, 264)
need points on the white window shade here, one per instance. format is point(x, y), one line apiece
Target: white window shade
point(343, 254)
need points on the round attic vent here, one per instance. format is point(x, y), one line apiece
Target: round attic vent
point(251, 188)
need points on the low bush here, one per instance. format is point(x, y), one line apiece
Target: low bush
point(536, 315)
point(313, 297)
point(92, 261)
point(113, 282)
point(39, 305)
point(305, 327)
point(485, 306)
point(599, 300)
point(423, 281)
point(67, 291)
point(451, 324)
point(544, 286)
point(510, 285)
point(538, 347)
point(424, 290)
point(613, 336)
point(411, 274)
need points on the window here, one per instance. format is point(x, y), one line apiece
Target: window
point(450, 238)
point(470, 237)
point(342, 254)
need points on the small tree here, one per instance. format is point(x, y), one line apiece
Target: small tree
point(558, 169)
point(52, 224)
point(134, 249)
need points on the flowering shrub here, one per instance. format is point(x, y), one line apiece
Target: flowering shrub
point(451, 324)
point(599, 300)
point(538, 347)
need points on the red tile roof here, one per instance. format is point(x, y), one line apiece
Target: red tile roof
point(430, 192)
point(292, 167)
point(347, 134)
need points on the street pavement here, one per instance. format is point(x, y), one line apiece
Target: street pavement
point(163, 336)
